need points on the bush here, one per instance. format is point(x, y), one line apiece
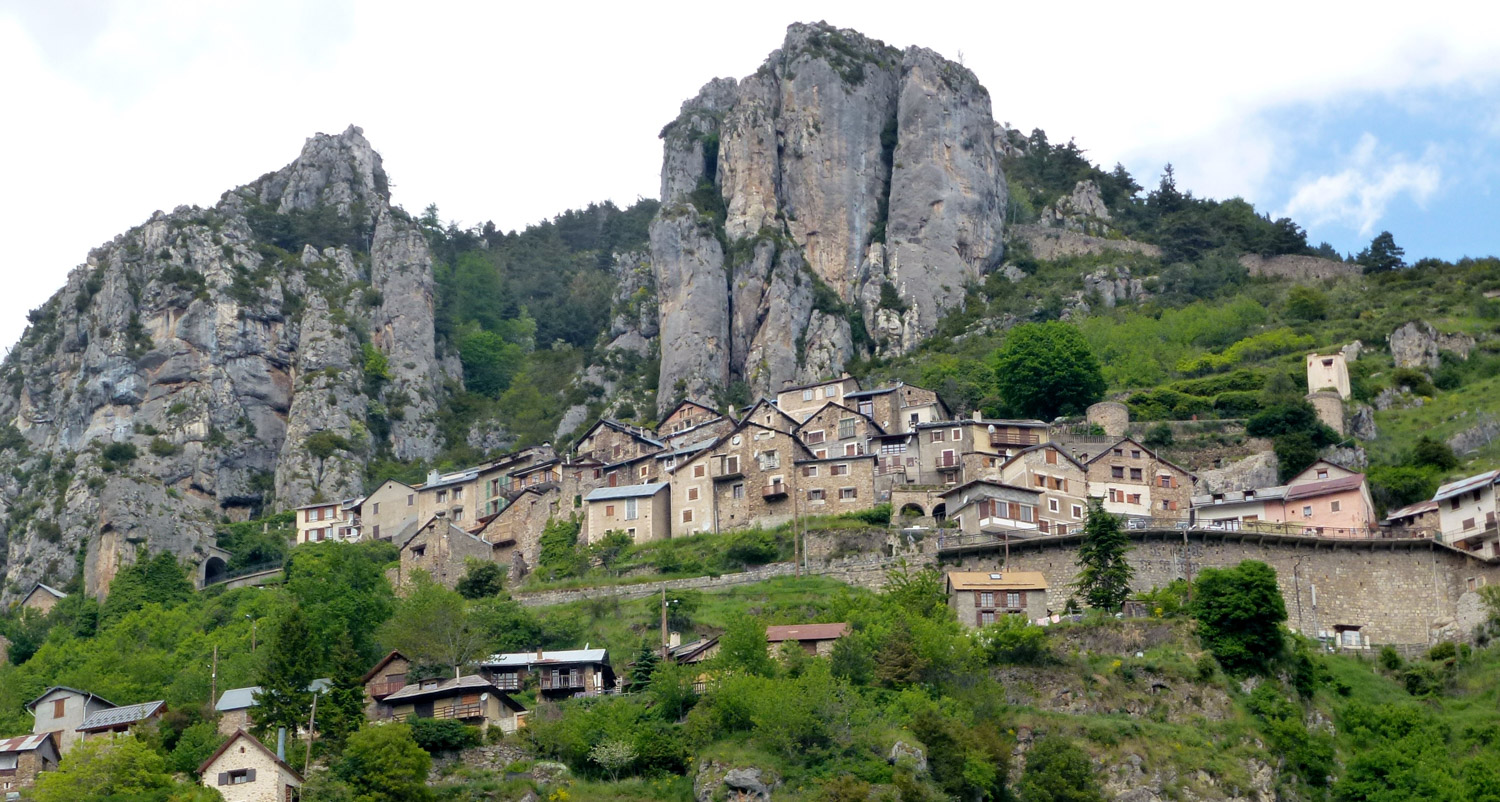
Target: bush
point(1239, 612)
point(162, 447)
point(878, 515)
point(119, 453)
point(1159, 436)
point(1390, 659)
point(752, 547)
point(1414, 380)
point(1058, 771)
point(443, 735)
point(1433, 453)
point(1444, 651)
point(1013, 639)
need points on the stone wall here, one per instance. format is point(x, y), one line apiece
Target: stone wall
point(1397, 592)
point(1111, 416)
point(1051, 244)
point(1303, 268)
point(1330, 409)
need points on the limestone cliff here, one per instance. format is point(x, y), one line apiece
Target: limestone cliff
point(840, 199)
point(210, 360)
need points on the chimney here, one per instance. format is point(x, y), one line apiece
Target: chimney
point(539, 654)
point(281, 743)
point(978, 415)
point(432, 476)
point(674, 640)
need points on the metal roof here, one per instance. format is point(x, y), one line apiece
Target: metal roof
point(866, 393)
point(628, 491)
point(121, 716)
point(24, 743)
point(524, 659)
point(1465, 485)
point(242, 698)
point(1238, 496)
point(997, 580)
point(418, 690)
point(85, 694)
point(1339, 485)
point(1413, 509)
point(801, 632)
point(54, 591)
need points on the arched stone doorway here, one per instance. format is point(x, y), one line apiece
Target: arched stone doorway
point(214, 570)
point(913, 511)
point(940, 513)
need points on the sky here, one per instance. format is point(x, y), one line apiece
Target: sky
point(1350, 118)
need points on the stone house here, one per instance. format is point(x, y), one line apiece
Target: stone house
point(42, 598)
point(516, 531)
point(24, 757)
point(951, 452)
point(987, 506)
point(767, 414)
point(120, 720)
point(384, 679)
point(802, 400)
point(979, 598)
point(1414, 520)
point(899, 407)
point(744, 479)
point(1467, 514)
point(442, 550)
point(1134, 481)
point(472, 699)
point(244, 770)
point(897, 460)
point(388, 509)
point(834, 485)
point(558, 674)
point(610, 441)
point(836, 431)
point(1062, 481)
point(235, 704)
point(642, 511)
point(814, 639)
point(63, 710)
point(329, 520)
point(639, 470)
point(691, 422)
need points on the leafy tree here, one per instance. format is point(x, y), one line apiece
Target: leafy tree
point(1013, 639)
point(1382, 255)
point(110, 767)
point(157, 580)
point(920, 592)
point(435, 625)
point(611, 547)
point(490, 362)
point(559, 555)
point(342, 589)
point(443, 735)
point(385, 764)
point(1294, 452)
point(742, 647)
point(851, 660)
point(481, 580)
point(1058, 771)
point(1239, 612)
point(968, 762)
point(193, 747)
point(613, 756)
point(1433, 453)
point(26, 631)
point(291, 666)
point(1103, 573)
point(1046, 369)
point(341, 708)
point(1306, 303)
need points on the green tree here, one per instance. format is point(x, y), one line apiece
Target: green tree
point(1046, 369)
point(122, 767)
point(291, 665)
point(1239, 612)
point(1382, 255)
point(1306, 303)
point(851, 660)
point(645, 664)
point(559, 555)
point(1058, 771)
point(1103, 573)
point(742, 647)
point(490, 363)
point(157, 580)
point(898, 664)
point(342, 589)
point(611, 547)
point(385, 764)
point(341, 707)
point(193, 747)
point(1294, 452)
point(481, 580)
point(435, 625)
point(1433, 453)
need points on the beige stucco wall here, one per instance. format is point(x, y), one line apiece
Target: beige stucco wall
point(270, 779)
point(75, 710)
point(1328, 371)
point(652, 521)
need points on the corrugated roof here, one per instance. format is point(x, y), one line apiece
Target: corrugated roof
point(120, 716)
point(1413, 509)
point(1340, 485)
point(24, 743)
point(1465, 485)
point(54, 591)
point(1237, 496)
point(472, 682)
point(524, 659)
point(628, 491)
point(241, 698)
point(692, 648)
point(801, 632)
point(997, 580)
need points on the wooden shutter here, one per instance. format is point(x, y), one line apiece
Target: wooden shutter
point(223, 778)
point(249, 775)
point(1015, 511)
point(1023, 594)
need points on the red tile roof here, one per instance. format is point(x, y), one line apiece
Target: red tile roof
point(802, 632)
point(1339, 485)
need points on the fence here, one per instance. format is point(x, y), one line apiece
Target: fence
point(1001, 536)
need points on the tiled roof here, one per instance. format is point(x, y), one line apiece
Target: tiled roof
point(801, 632)
point(120, 716)
point(1465, 485)
point(23, 743)
point(523, 659)
point(1237, 496)
point(447, 687)
point(993, 580)
point(1340, 485)
point(628, 491)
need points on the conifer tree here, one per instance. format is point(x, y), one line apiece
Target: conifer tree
point(341, 708)
point(290, 667)
point(1103, 574)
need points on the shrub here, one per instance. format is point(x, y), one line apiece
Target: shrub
point(1446, 650)
point(1390, 659)
point(443, 735)
point(119, 453)
point(1013, 639)
point(1058, 771)
point(1239, 612)
point(1414, 380)
point(752, 547)
point(1159, 436)
point(163, 447)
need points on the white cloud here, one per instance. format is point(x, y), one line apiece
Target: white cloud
point(1357, 195)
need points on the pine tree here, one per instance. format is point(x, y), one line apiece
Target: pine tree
point(1103, 575)
point(341, 708)
point(291, 666)
point(646, 661)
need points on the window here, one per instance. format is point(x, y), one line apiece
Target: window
point(1322, 474)
point(375, 508)
point(816, 494)
point(1135, 453)
point(377, 531)
point(987, 599)
point(692, 494)
point(59, 707)
point(458, 494)
point(807, 395)
point(1135, 498)
point(1041, 481)
point(841, 469)
point(1028, 513)
point(1333, 506)
point(458, 514)
point(1468, 523)
point(813, 438)
point(1166, 505)
point(1307, 511)
point(867, 407)
point(732, 464)
point(1119, 452)
point(1012, 599)
point(418, 551)
point(851, 449)
point(631, 532)
point(986, 617)
point(769, 459)
point(442, 496)
point(848, 493)
point(1077, 511)
point(893, 448)
point(630, 510)
point(958, 434)
point(809, 470)
point(618, 450)
point(642, 472)
point(1249, 518)
point(1164, 481)
point(699, 470)
point(1117, 472)
point(687, 516)
point(738, 491)
point(936, 436)
point(1051, 457)
point(846, 428)
point(1135, 473)
point(1052, 505)
point(1453, 505)
point(1062, 529)
point(821, 453)
point(237, 777)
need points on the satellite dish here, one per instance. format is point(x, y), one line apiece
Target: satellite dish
point(484, 697)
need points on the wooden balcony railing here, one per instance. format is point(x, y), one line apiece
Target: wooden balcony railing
point(774, 490)
point(1013, 439)
point(561, 683)
point(380, 690)
point(473, 710)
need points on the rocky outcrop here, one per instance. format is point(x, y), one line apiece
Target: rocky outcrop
point(1113, 285)
point(213, 362)
point(1082, 210)
point(1418, 345)
point(1051, 244)
point(1250, 473)
point(840, 199)
point(1361, 422)
point(1485, 431)
point(1296, 267)
point(715, 780)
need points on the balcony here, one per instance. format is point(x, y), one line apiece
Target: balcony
point(886, 468)
point(1013, 439)
point(460, 711)
point(563, 682)
point(380, 690)
point(774, 490)
point(948, 461)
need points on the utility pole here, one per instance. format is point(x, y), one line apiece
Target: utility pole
point(664, 646)
point(213, 681)
point(311, 723)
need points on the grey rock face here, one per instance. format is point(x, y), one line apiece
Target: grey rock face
point(1417, 345)
point(1393, 398)
point(747, 784)
point(1082, 210)
point(197, 340)
point(1352, 351)
point(844, 170)
point(1481, 434)
point(1250, 473)
point(1114, 285)
point(1362, 422)
point(902, 751)
point(1351, 457)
